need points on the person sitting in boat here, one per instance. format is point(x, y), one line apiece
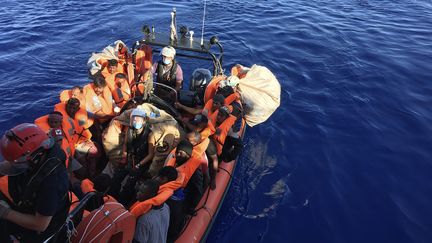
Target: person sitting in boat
point(233, 144)
point(140, 146)
point(184, 198)
point(98, 99)
point(203, 125)
point(52, 125)
point(100, 185)
point(209, 108)
point(153, 225)
point(111, 69)
point(138, 151)
point(237, 72)
point(169, 181)
point(120, 90)
point(37, 184)
point(75, 127)
point(223, 123)
point(167, 70)
point(200, 147)
point(75, 92)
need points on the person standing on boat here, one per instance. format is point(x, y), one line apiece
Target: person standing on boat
point(167, 70)
point(153, 225)
point(37, 185)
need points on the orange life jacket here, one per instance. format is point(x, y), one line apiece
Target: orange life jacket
point(224, 129)
point(231, 98)
point(68, 145)
point(120, 90)
point(78, 126)
point(165, 192)
point(109, 223)
point(140, 208)
point(102, 104)
point(208, 108)
point(105, 73)
point(4, 187)
point(88, 186)
point(212, 87)
point(199, 149)
point(143, 59)
point(188, 168)
point(208, 131)
point(66, 94)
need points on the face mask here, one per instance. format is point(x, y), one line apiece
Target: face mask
point(166, 61)
point(137, 125)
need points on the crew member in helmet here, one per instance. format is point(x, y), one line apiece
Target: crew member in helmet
point(167, 70)
point(37, 184)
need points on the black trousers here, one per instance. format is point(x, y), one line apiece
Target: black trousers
point(193, 191)
point(231, 148)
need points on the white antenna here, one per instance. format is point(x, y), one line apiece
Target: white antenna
point(203, 21)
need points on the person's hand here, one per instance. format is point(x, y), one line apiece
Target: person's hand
point(177, 105)
point(4, 209)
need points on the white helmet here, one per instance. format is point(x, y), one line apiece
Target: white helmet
point(138, 112)
point(168, 51)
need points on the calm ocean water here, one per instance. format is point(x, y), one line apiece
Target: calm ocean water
point(348, 155)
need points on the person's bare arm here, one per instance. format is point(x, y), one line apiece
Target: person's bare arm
point(193, 111)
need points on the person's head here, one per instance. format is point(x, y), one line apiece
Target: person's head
point(194, 137)
point(168, 53)
point(167, 174)
point(147, 189)
point(99, 84)
point(137, 118)
point(223, 114)
point(200, 78)
point(225, 91)
point(77, 92)
point(112, 66)
point(23, 146)
point(218, 101)
point(119, 78)
point(102, 183)
point(72, 107)
point(183, 152)
point(122, 51)
point(200, 122)
point(55, 119)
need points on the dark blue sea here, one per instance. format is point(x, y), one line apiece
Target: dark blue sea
point(346, 158)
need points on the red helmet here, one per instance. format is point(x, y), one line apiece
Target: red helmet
point(18, 145)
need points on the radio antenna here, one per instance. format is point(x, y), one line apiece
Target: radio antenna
point(203, 22)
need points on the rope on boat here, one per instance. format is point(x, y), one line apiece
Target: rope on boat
point(70, 229)
point(229, 173)
point(111, 224)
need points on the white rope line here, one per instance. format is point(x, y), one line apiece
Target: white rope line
point(85, 231)
point(108, 226)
